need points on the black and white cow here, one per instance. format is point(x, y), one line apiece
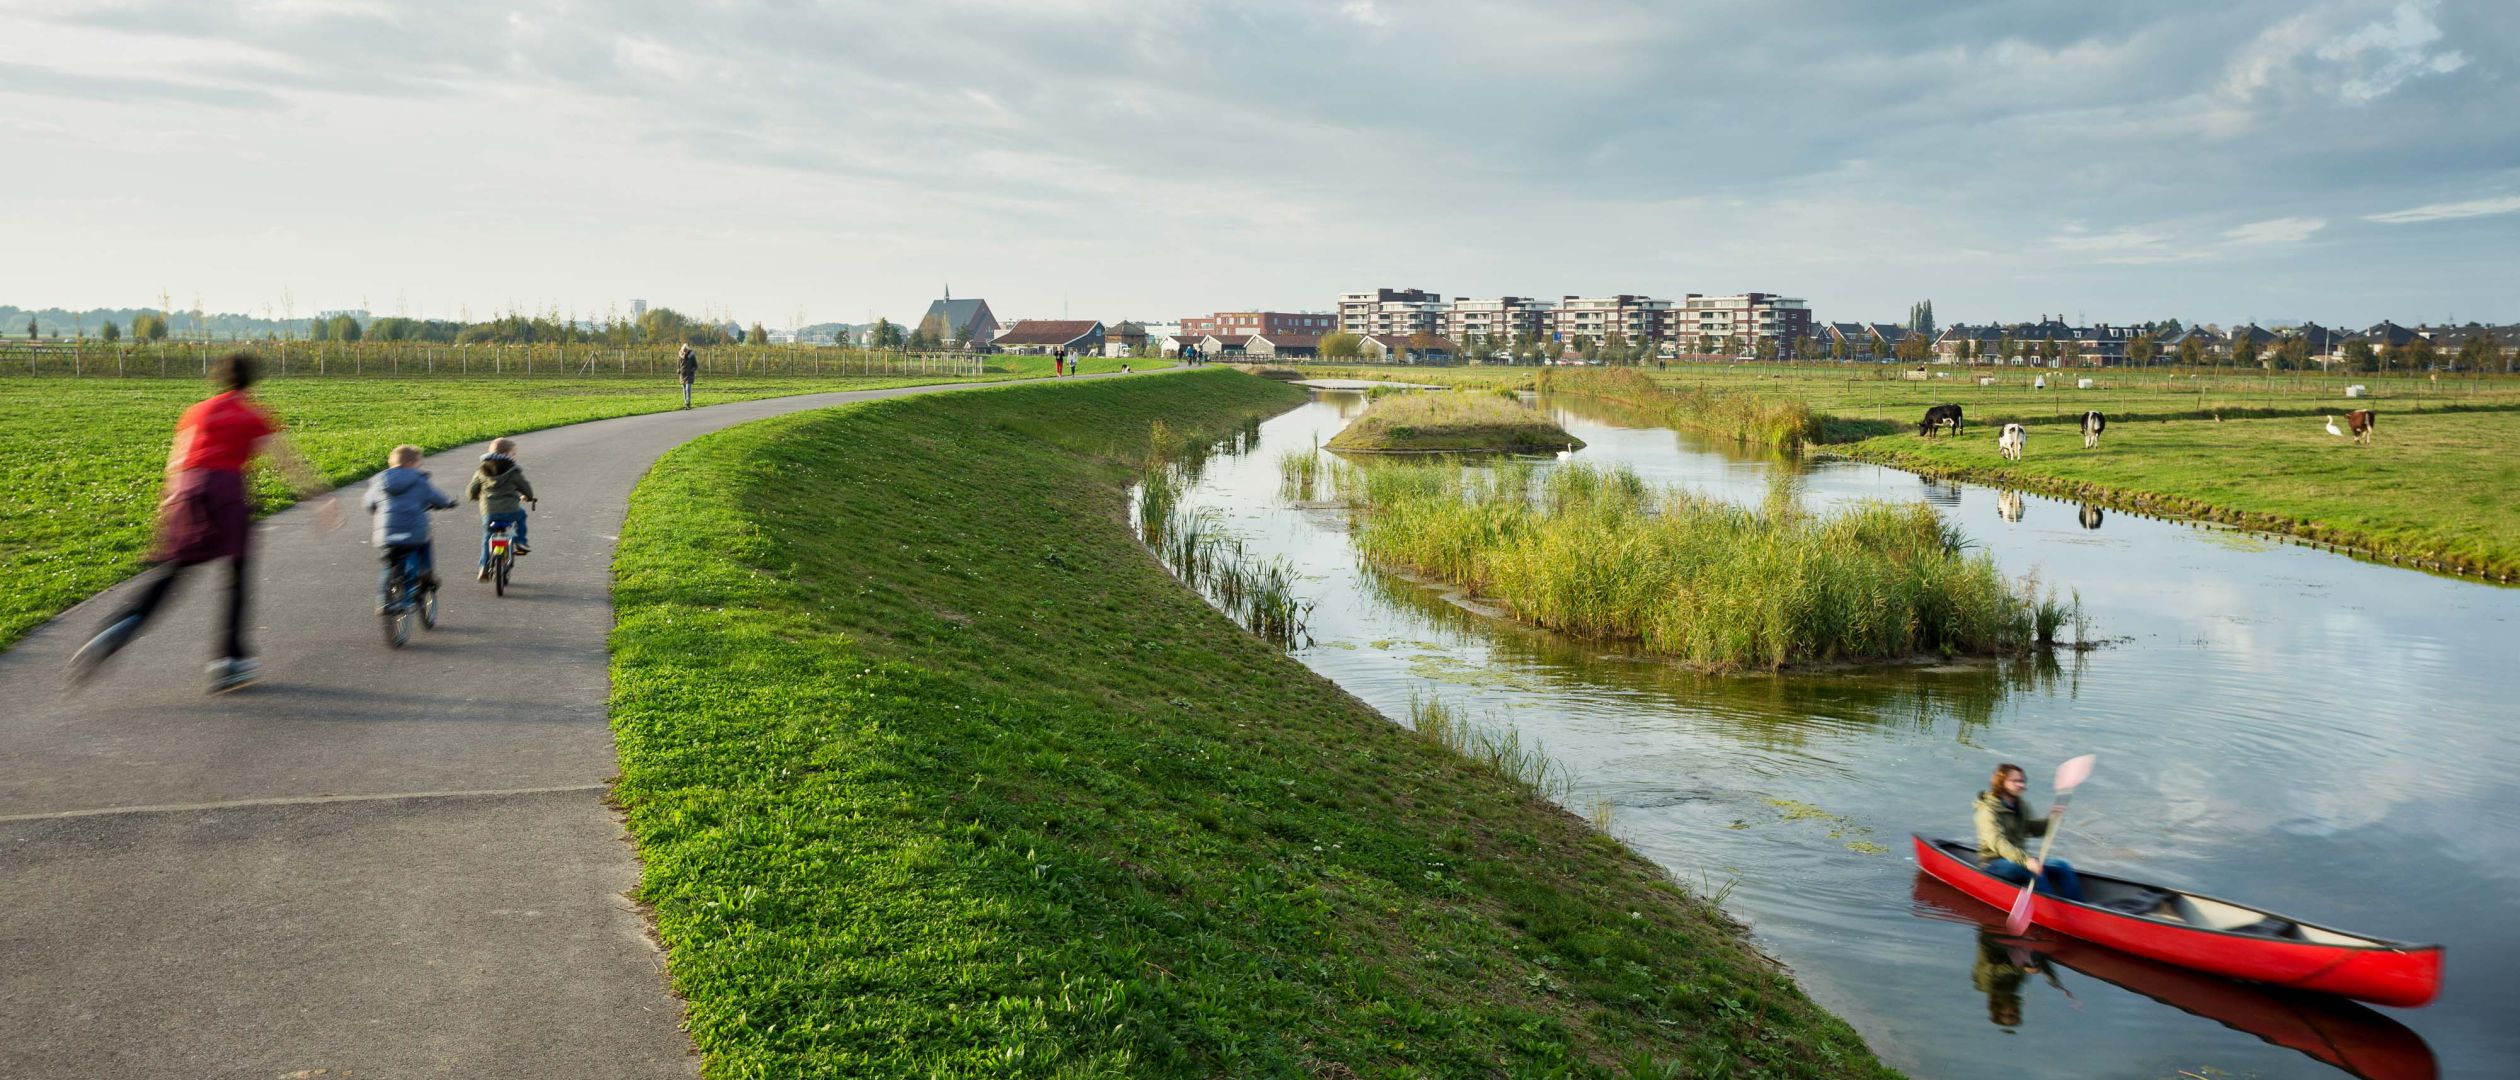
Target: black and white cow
point(1939, 416)
point(2093, 425)
point(2012, 442)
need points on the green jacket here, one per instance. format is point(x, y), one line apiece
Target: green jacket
point(499, 485)
point(2001, 829)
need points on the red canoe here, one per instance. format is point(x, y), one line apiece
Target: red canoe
point(2200, 932)
point(2331, 1029)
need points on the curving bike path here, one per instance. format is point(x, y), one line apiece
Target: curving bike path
point(376, 862)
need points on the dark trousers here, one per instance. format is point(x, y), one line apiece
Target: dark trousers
point(2056, 876)
point(160, 584)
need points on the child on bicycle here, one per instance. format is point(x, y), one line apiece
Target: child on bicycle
point(499, 485)
point(401, 498)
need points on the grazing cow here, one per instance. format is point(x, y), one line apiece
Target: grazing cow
point(2359, 421)
point(2093, 425)
point(1939, 416)
point(2090, 517)
point(2010, 442)
point(2008, 506)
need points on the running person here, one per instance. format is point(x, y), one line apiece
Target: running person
point(207, 515)
point(690, 371)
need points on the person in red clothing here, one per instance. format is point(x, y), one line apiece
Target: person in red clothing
point(207, 516)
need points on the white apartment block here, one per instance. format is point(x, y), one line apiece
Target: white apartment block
point(1498, 321)
point(1745, 320)
point(1392, 311)
point(1635, 319)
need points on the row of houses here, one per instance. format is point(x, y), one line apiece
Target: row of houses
point(2104, 345)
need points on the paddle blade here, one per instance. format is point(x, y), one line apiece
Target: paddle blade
point(2018, 922)
point(2071, 774)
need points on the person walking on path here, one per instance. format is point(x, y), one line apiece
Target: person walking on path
point(499, 485)
point(690, 370)
point(207, 515)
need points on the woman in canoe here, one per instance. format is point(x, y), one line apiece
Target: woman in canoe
point(2001, 830)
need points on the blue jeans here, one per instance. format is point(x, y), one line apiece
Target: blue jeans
point(515, 520)
point(416, 559)
point(2056, 877)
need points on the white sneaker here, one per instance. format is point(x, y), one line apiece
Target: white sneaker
point(233, 673)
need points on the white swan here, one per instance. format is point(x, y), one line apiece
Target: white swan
point(1570, 452)
point(2332, 429)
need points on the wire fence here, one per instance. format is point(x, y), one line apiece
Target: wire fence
point(356, 359)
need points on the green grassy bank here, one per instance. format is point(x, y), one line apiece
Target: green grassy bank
point(936, 772)
point(81, 459)
point(2437, 490)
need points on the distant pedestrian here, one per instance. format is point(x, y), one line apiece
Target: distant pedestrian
point(1058, 363)
point(207, 515)
point(690, 370)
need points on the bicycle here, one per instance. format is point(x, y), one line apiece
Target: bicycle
point(503, 552)
point(408, 597)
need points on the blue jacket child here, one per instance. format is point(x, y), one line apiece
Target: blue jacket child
point(400, 498)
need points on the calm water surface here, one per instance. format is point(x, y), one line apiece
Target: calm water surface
point(2279, 725)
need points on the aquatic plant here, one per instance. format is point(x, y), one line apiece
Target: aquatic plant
point(1299, 475)
point(1598, 553)
point(1498, 748)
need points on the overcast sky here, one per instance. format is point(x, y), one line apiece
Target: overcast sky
point(2343, 161)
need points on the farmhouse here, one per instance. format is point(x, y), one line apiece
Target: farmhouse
point(1405, 348)
point(1043, 336)
point(1282, 346)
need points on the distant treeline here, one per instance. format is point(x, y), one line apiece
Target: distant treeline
point(655, 326)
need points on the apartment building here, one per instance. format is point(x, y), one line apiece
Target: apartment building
point(1246, 323)
point(1746, 320)
point(1392, 311)
point(1635, 319)
point(1498, 321)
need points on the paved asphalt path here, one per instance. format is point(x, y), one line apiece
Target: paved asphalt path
point(377, 862)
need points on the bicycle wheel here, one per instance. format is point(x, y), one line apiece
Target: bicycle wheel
point(397, 611)
point(499, 565)
point(428, 606)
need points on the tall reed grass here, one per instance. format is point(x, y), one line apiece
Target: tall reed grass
point(1779, 424)
point(1259, 595)
point(1597, 553)
point(1500, 750)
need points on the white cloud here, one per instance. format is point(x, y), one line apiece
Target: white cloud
point(2446, 211)
point(2288, 230)
point(2390, 52)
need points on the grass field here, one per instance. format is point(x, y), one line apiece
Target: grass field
point(2438, 490)
point(1437, 422)
point(935, 772)
point(81, 459)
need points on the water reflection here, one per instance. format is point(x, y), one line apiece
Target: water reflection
point(2352, 1037)
point(2089, 515)
point(1938, 492)
point(2008, 506)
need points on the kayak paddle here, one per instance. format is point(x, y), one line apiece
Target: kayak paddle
point(2068, 777)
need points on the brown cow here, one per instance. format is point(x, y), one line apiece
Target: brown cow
point(2359, 422)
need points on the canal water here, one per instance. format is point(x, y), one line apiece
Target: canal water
point(2288, 727)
